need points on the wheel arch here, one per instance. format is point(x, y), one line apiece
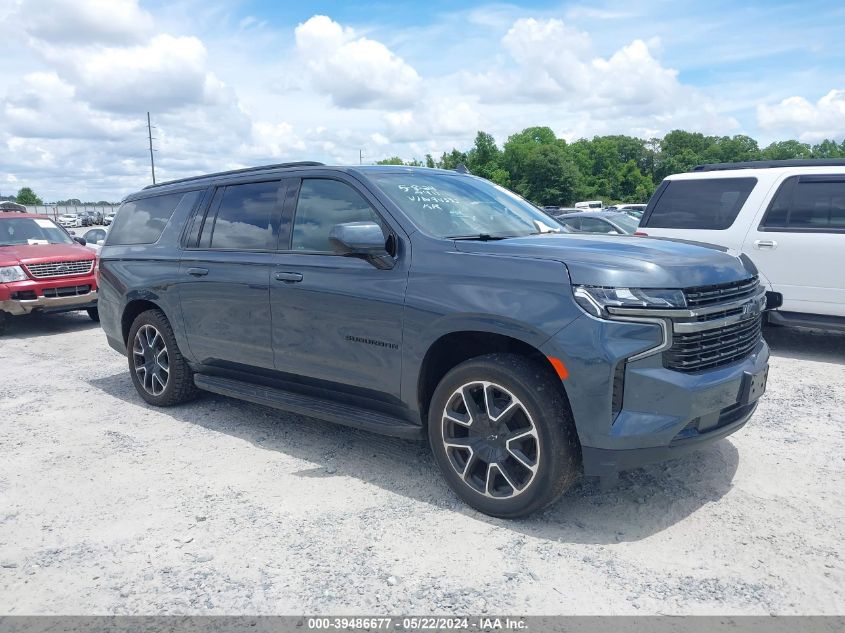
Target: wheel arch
point(132, 309)
point(453, 348)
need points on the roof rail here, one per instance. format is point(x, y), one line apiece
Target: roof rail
point(302, 163)
point(768, 164)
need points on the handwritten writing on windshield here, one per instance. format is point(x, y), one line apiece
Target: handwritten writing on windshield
point(427, 196)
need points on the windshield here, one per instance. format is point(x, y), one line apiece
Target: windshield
point(15, 231)
point(459, 206)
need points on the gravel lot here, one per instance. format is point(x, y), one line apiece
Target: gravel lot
point(108, 506)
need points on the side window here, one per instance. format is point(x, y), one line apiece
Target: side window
point(808, 203)
point(142, 221)
point(321, 205)
point(573, 223)
point(701, 203)
point(244, 217)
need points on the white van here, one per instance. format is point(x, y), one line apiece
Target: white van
point(788, 217)
point(590, 205)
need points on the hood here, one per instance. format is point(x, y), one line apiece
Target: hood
point(42, 253)
point(637, 262)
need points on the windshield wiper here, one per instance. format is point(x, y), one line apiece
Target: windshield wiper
point(483, 237)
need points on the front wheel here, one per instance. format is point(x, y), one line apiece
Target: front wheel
point(160, 373)
point(94, 313)
point(502, 434)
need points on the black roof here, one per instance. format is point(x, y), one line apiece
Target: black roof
point(768, 164)
point(246, 170)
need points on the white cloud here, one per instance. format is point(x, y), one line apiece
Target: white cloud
point(356, 72)
point(808, 121)
point(86, 21)
point(445, 117)
point(555, 63)
point(44, 107)
point(166, 72)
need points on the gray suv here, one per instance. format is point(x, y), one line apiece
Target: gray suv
point(426, 303)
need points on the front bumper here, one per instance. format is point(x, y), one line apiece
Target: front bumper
point(631, 413)
point(12, 301)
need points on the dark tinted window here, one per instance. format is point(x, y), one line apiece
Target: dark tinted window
point(808, 203)
point(707, 203)
point(245, 217)
point(573, 223)
point(143, 221)
point(322, 204)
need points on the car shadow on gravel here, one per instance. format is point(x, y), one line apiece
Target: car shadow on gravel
point(35, 325)
point(801, 344)
point(644, 502)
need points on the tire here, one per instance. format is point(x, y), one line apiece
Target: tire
point(3, 319)
point(160, 373)
point(522, 421)
point(94, 313)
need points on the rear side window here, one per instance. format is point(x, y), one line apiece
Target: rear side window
point(321, 205)
point(143, 221)
point(711, 203)
point(808, 203)
point(243, 217)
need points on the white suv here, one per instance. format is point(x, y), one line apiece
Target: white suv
point(787, 216)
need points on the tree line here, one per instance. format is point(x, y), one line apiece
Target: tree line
point(26, 195)
point(549, 171)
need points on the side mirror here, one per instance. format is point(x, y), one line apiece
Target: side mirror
point(80, 240)
point(362, 239)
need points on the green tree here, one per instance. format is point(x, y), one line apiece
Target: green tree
point(829, 149)
point(429, 161)
point(483, 158)
point(452, 159)
point(784, 150)
point(394, 160)
point(27, 196)
point(549, 177)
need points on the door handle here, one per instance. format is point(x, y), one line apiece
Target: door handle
point(291, 278)
point(198, 272)
point(760, 244)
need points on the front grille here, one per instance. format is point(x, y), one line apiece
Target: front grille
point(721, 293)
point(67, 291)
point(60, 269)
point(715, 347)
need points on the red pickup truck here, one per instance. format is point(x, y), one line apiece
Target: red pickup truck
point(43, 268)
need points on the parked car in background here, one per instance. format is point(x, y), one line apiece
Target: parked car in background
point(589, 204)
point(94, 238)
point(559, 211)
point(609, 222)
point(427, 303)
point(43, 269)
point(634, 210)
point(788, 217)
point(86, 218)
point(12, 207)
point(70, 220)
point(108, 219)
point(97, 216)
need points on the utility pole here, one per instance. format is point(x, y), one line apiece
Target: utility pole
point(150, 136)
point(360, 157)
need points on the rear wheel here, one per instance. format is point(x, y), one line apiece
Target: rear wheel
point(502, 434)
point(160, 373)
point(94, 313)
point(3, 319)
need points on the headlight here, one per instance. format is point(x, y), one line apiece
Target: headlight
point(595, 299)
point(11, 273)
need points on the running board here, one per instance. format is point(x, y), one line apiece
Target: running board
point(799, 319)
point(348, 415)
